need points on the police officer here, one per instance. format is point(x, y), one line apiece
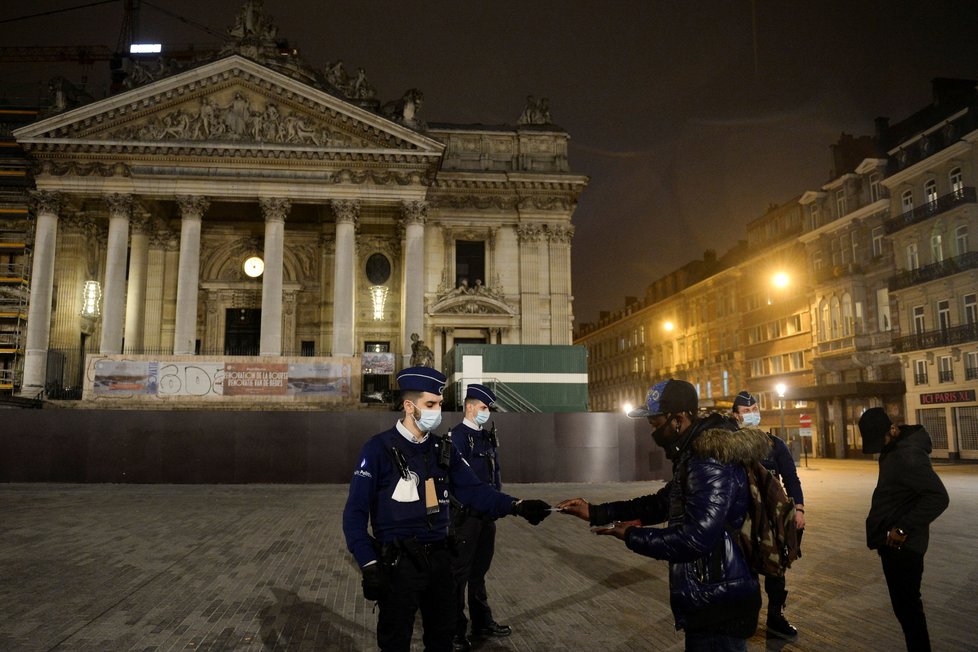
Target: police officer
point(781, 464)
point(476, 532)
point(401, 486)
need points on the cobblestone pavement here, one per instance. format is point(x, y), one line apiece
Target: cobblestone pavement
point(165, 567)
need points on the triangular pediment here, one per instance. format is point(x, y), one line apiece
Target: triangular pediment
point(231, 102)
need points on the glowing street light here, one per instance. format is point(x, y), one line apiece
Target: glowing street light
point(626, 408)
point(667, 326)
point(780, 280)
point(779, 388)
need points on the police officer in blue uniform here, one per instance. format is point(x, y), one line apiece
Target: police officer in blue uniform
point(401, 487)
point(782, 465)
point(476, 532)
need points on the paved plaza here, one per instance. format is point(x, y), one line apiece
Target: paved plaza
point(264, 567)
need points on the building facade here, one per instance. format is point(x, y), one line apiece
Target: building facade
point(934, 219)
point(866, 294)
point(254, 205)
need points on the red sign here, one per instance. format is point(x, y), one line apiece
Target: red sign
point(959, 396)
point(804, 421)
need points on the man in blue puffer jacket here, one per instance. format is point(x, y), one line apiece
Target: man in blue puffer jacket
point(714, 594)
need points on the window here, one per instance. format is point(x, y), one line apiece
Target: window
point(877, 242)
point(308, 348)
point(957, 182)
point(918, 319)
point(814, 214)
point(970, 309)
point(709, 389)
point(930, 191)
point(936, 248)
point(846, 314)
point(913, 262)
point(919, 372)
point(840, 202)
point(797, 360)
point(906, 201)
point(875, 193)
point(726, 383)
point(945, 370)
point(836, 318)
point(823, 320)
point(961, 240)
point(971, 366)
point(470, 263)
point(817, 261)
point(944, 315)
point(854, 245)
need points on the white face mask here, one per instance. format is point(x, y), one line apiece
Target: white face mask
point(428, 419)
point(481, 416)
point(751, 419)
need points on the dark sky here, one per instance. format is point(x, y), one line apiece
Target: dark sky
point(686, 135)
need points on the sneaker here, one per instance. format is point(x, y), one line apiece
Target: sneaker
point(461, 644)
point(492, 629)
point(779, 626)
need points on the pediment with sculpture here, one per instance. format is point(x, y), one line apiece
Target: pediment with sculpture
point(468, 299)
point(231, 101)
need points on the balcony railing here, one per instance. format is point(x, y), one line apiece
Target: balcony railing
point(945, 376)
point(933, 339)
point(942, 204)
point(971, 373)
point(837, 271)
point(920, 379)
point(948, 267)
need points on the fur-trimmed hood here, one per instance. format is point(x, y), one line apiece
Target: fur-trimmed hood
point(743, 446)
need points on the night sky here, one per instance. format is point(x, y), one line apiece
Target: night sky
point(687, 124)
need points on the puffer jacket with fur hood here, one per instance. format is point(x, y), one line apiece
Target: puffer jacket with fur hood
point(712, 588)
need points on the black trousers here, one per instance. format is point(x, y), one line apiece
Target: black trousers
point(424, 584)
point(776, 594)
point(476, 546)
point(903, 570)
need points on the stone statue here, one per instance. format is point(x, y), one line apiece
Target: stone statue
point(406, 109)
point(336, 75)
point(421, 355)
point(362, 90)
point(535, 113)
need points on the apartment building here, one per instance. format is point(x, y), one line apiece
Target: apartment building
point(933, 232)
point(849, 264)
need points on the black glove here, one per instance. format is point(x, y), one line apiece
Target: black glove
point(533, 511)
point(374, 582)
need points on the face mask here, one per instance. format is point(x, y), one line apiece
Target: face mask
point(481, 416)
point(665, 434)
point(428, 420)
point(751, 419)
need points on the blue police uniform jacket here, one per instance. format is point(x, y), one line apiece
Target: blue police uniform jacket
point(376, 477)
point(477, 449)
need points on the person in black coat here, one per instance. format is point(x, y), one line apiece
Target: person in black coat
point(909, 496)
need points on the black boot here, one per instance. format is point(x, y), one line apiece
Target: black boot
point(778, 625)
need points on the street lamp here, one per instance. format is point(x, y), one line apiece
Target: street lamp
point(780, 389)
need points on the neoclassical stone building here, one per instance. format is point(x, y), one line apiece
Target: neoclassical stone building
point(254, 205)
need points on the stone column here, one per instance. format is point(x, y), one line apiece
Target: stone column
point(47, 205)
point(171, 281)
point(156, 271)
point(185, 329)
point(529, 242)
point(561, 328)
point(114, 289)
point(414, 213)
point(136, 291)
point(275, 211)
point(344, 280)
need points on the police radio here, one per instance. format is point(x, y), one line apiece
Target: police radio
point(493, 440)
point(445, 452)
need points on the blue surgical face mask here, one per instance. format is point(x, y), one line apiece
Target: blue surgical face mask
point(428, 420)
point(751, 419)
point(481, 416)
